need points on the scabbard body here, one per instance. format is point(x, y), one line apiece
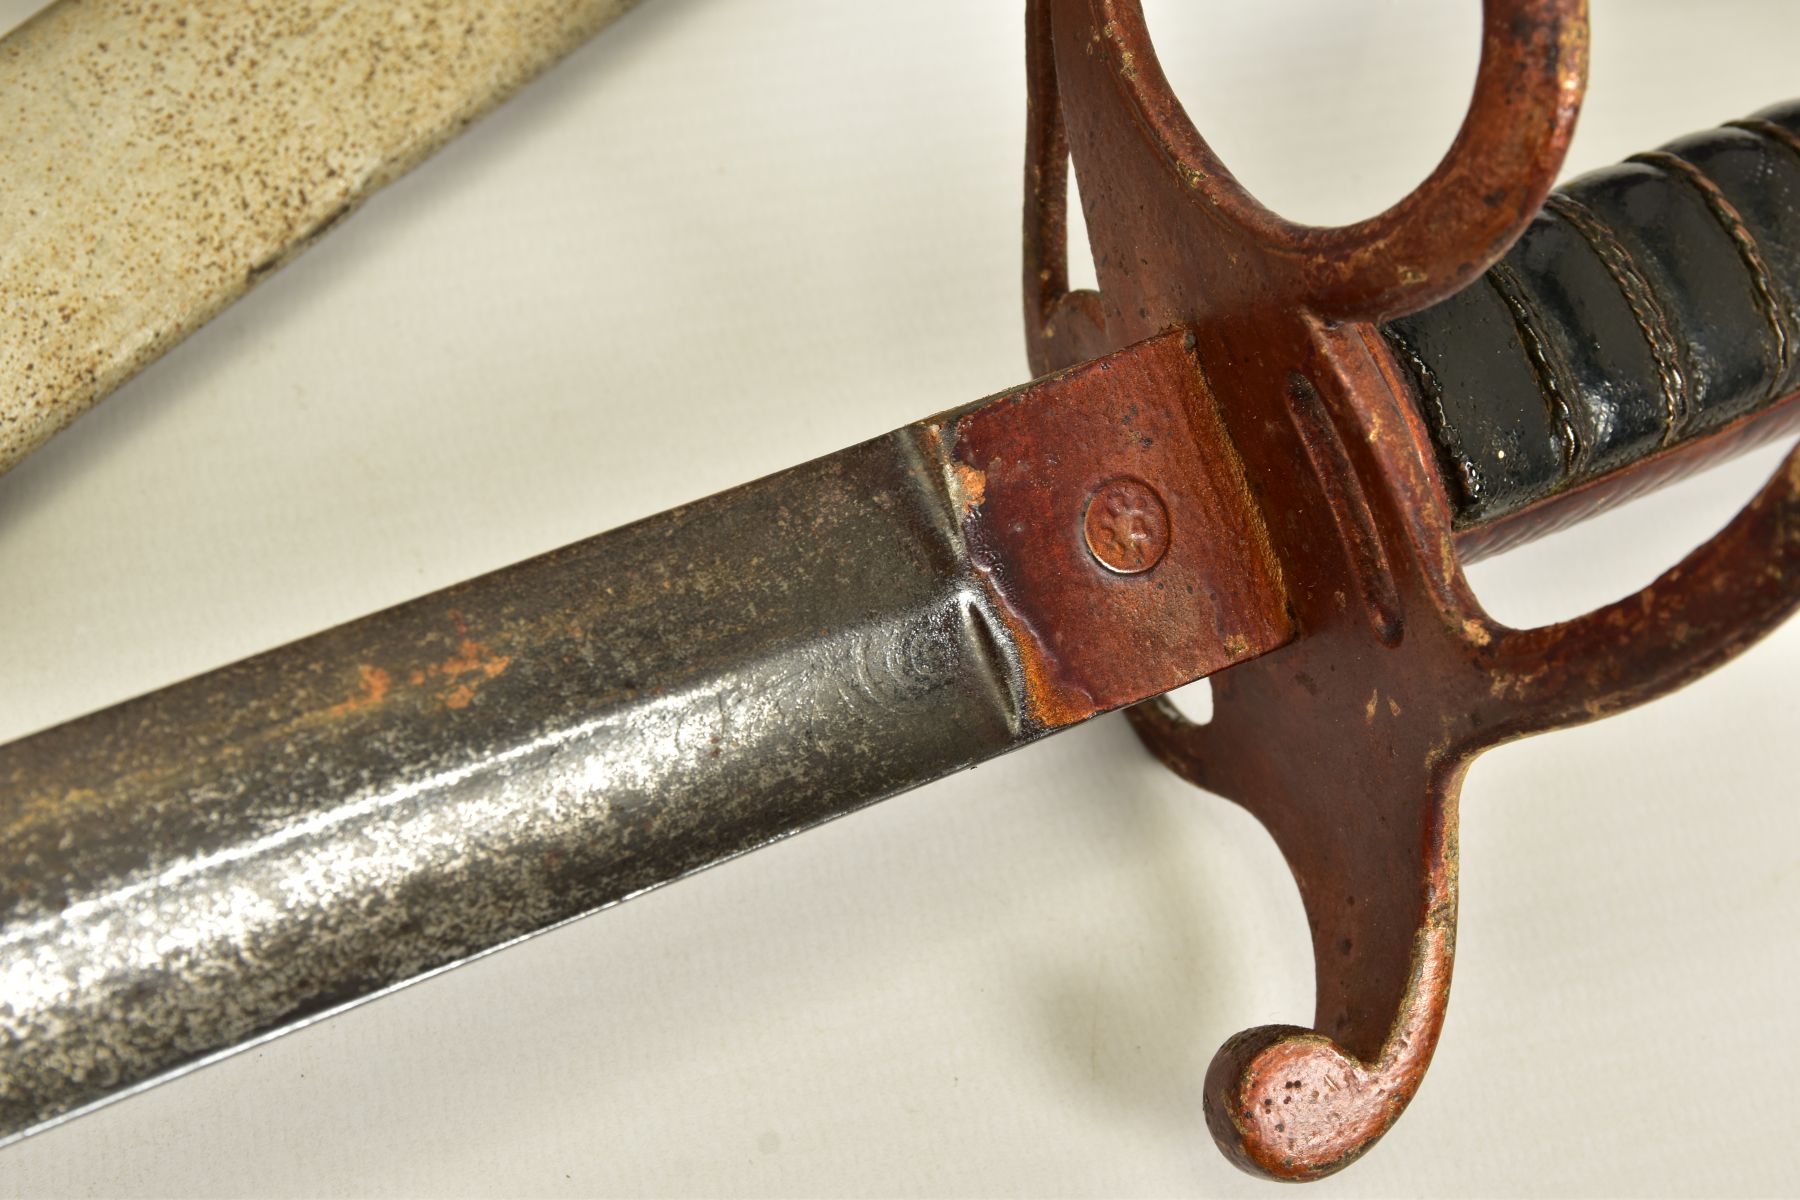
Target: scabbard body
point(157, 160)
point(246, 851)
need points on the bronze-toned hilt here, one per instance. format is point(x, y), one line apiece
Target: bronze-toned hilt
point(1350, 743)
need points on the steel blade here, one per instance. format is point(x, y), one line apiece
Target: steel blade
point(231, 856)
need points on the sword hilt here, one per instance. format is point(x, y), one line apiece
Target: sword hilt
point(1649, 305)
point(1350, 742)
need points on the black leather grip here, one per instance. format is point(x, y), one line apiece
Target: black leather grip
point(1647, 304)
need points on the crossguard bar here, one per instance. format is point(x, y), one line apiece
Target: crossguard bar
point(1350, 744)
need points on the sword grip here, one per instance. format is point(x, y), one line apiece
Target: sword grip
point(1643, 325)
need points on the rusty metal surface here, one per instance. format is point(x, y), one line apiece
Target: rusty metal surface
point(233, 855)
point(197, 869)
point(157, 160)
point(1350, 743)
point(1032, 468)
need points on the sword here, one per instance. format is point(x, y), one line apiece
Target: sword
point(483, 666)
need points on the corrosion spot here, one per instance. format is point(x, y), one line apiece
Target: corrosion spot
point(472, 663)
point(1477, 632)
point(970, 487)
point(375, 685)
point(472, 656)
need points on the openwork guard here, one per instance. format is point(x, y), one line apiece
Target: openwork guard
point(1350, 743)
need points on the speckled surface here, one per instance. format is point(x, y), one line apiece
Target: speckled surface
point(158, 159)
point(318, 825)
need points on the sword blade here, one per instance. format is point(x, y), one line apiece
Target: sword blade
point(202, 867)
point(266, 843)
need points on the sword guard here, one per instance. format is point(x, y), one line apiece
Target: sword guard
point(1351, 742)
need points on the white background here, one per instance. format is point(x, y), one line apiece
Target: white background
point(728, 236)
